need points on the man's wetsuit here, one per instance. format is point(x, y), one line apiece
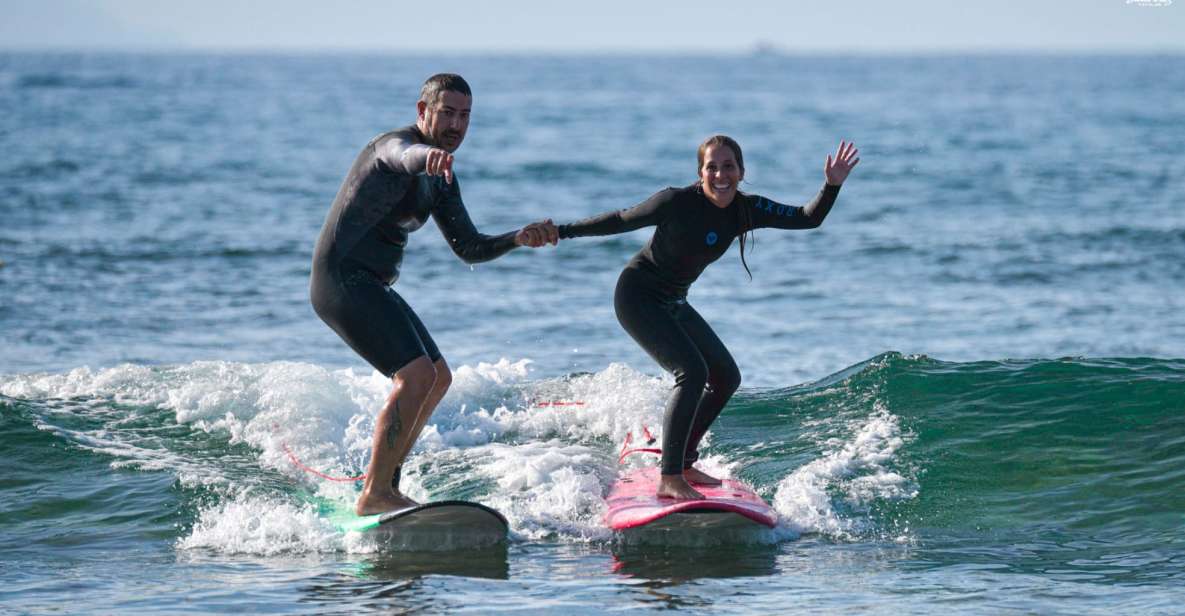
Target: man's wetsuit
point(386, 196)
point(651, 296)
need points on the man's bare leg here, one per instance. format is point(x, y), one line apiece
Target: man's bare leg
point(444, 378)
point(393, 433)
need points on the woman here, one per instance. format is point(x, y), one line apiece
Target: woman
point(694, 227)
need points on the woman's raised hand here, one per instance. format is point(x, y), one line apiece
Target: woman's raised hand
point(837, 169)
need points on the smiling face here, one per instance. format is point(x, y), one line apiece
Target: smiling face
point(720, 173)
point(445, 121)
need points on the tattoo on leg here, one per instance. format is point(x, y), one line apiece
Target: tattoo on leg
point(393, 430)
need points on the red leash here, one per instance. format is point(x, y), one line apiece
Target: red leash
point(298, 464)
point(629, 437)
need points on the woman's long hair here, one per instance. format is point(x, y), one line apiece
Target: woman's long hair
point(744, 216)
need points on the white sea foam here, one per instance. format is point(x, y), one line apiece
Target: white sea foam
point(546, 466)
point(549, 488)
point(831, 494)
point(254, 525)
point(125, 383)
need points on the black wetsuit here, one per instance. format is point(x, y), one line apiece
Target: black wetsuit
point(651, 296)
point(385, 197)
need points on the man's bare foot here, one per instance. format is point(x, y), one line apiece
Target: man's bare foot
point(370, 504)
point(694, 475)
point(675, 486)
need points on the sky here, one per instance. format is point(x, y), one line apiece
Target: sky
point(838, 26)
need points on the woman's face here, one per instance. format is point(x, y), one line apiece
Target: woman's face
point(720, 175)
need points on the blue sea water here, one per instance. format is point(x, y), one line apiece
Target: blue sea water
point(963, 392)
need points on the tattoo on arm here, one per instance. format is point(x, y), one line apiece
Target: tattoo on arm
point(395, 427)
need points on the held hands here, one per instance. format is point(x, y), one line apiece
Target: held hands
point(537, 234)
point(836, 170)
point(440, 162)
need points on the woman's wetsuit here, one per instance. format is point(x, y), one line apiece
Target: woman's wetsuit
point(651, 296)
point(385, 197)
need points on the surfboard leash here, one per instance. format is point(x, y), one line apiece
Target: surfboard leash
point(629, 437)
point(312, 471)
point(298, 464)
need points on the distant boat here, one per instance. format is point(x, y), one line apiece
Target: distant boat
point(765, 48)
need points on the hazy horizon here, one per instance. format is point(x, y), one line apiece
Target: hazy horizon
point(614, 27)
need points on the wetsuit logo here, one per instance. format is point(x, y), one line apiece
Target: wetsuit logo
point(711, 238)
point(776, 208)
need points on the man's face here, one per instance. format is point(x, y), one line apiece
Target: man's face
point(445, 122)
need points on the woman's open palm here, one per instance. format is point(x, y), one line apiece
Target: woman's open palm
point(837, 169)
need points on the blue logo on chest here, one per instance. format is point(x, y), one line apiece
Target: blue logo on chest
point(711, 238)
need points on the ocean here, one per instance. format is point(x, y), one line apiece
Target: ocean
point(964, 392)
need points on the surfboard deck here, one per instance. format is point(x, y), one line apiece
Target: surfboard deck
point(633, 504)
point(458, 521)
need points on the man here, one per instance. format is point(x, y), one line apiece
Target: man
point(398, 180)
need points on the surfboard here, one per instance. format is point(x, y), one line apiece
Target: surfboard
point(450, 522)
point(633, 504)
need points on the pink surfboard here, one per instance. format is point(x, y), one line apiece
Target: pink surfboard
point(632, 503)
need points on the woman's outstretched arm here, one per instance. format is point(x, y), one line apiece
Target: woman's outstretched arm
point(767, 213)
point(645, 214)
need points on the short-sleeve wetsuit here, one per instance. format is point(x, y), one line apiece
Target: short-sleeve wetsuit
point(385, 197)
point(651, 296)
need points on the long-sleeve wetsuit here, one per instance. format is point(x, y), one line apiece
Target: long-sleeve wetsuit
point(386, 196)
point(650, 299)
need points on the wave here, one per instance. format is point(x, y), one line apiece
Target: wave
point(75, 81)
point(890, 449)
point(144, 248)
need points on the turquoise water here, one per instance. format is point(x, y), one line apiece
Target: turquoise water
point(964, 392)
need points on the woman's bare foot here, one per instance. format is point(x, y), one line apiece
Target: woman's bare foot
point(675, 486)
point(694, 475)
point(370, 504)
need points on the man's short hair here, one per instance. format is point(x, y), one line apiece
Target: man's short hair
point(440, 83)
